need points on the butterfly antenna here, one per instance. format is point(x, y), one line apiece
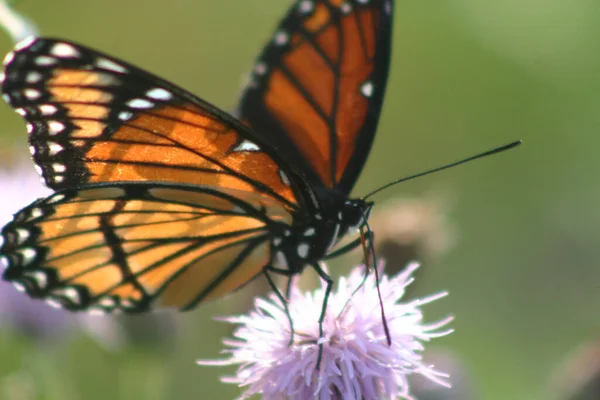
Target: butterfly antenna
point(454, 164)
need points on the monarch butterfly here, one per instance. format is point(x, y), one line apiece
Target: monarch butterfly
point(162, 199)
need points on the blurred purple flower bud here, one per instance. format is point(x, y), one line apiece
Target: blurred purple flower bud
point(412, 229)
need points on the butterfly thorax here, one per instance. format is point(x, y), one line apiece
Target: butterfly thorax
point(308, 240)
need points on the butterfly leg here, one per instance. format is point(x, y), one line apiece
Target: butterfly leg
point(266, 271)
point(367, 237)
point(328, 288)
point(351, 246)
point(344, 249)
point(288, 289)
point(370, 248)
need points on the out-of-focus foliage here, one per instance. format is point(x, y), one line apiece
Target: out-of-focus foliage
point(467, 75)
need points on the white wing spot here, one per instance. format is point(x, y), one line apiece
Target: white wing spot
point(6, 98)
point(56, 198)
point(260, 68)
point(140, 103)
point(29, 127)
point(70, 293)
point(59, 167)
point(363, 1)
point(310, 232)
point(48, 109)
point(306, 6)
point(2, 77)
point(125, 115)
point(45, 61)
point(303, 250)
point(35, 213)
point(281, 38)
point(25, 43)
point(21, 111)
point(64, 50)
point(38, 169)
point(54, 148)
point(28, 255)
point(40, 278)
point(55, 127)
point(9, 57)
point(59, 179)
point(346, 8)
point(367, 89)
point(277, 241)
point(19, 286)
point(246, 145)
point(22, 235)
point(107, 302)
point(159, 94)
point(33, 77)
point(110, 65)
point(32, 150)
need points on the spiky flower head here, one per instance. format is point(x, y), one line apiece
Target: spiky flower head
point(357, 361)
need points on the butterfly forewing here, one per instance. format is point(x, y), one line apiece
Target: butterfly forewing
point(92, 119)
point(317, 89)
point(135, 246)
point(163, 199)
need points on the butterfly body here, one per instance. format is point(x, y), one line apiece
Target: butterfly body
point(164, 200)
point(310, 240)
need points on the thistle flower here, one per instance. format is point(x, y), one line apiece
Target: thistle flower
point(357, 361)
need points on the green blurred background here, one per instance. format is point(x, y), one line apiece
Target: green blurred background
point(466, 76)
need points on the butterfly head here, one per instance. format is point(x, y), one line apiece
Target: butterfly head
point(355, 213)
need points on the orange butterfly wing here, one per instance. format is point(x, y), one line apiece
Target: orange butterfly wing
point(92, 119)
point(318, 87)
point(134, 246)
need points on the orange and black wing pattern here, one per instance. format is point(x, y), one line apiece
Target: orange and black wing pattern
point(132, 247)
point(317, 89)
point(92, 118)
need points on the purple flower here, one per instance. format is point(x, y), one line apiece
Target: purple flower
point(417, 228)
point(356, 363)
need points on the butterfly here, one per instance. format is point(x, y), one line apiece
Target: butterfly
point(164, 200)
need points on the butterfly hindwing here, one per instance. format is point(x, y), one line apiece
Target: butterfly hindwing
point(92, 118)
point(317, 89)
point(132, 247)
